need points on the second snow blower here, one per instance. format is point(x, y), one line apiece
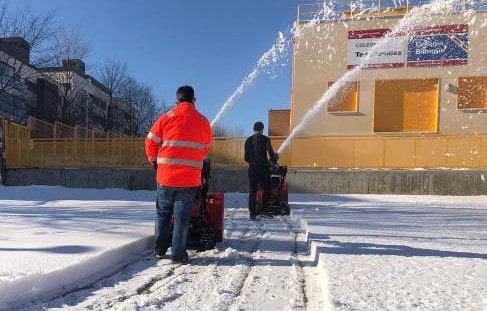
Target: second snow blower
point(278, 198)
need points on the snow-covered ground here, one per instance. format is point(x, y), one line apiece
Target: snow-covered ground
point(72, 249)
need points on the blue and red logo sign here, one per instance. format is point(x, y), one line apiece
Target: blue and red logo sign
point(438, 46)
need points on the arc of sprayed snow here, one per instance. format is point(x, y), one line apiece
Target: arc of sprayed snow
point(271, 56)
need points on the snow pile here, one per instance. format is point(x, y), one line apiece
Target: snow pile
point(228, 253)
point(54, 237)
point(390, 252)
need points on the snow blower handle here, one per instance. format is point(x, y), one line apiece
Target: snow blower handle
point(274, 163)
point(275, 158)
point(205, 177)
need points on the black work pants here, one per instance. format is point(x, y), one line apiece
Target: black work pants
point(259, 175)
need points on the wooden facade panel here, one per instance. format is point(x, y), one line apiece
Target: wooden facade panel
point(301, 155)
point(431, 152)
point(369, 153)
point(284, 156)
point(463, 151)
point(399, 153)
point(346, 99)
point(472, 92)
point(279, 122)
point(337, 153)
point(406, 105)
point(322, 152)
point(483, 152)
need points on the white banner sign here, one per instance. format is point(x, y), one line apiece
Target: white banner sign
point(390, 54)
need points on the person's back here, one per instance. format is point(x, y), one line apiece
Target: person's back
point(257, 149)
point(182, 127)
point(176, 146)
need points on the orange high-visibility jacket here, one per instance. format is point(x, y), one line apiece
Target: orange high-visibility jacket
point(179, 141)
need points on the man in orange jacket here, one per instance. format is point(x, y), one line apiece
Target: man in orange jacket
point(176, 146)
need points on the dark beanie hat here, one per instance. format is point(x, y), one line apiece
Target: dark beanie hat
point(258, 126)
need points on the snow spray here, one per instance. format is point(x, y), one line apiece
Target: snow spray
point(273, 56)
point(409, 22)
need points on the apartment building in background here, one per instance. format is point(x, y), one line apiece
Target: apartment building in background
point(66, 93)
point(24, 90)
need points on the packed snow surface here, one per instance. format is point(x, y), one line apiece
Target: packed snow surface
point(78, 249)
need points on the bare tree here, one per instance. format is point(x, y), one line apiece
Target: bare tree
point(143, 103)
point(113, 75)
point(65, 55)
point(37, 29)
point(17, 77)
point(16, 86)
point(70, 97)
point(46, 45)
point(66, 45)
point(222, 131)
point(49, 42)
point(12, 72)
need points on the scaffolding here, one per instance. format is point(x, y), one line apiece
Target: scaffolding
point(343, 10)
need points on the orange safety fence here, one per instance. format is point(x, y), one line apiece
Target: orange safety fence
point(40, 129)
point(382, 152)
point(17, 144)
point(63, 131)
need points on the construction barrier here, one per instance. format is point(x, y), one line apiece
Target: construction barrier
point(88, 148)
point(40, 129)
point(17, 145)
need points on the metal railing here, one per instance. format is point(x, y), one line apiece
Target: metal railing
point(337, 10)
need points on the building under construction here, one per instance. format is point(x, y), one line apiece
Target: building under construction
point(418, 100)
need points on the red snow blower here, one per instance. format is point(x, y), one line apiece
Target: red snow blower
point(206, 223)
point(278, 201)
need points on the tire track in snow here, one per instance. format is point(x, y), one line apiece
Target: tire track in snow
point(216, 270)
point(109, 301)
point(302, 300)
point(314, 284)
point(231, 278)
point(118, 295)
point(214, 280)
point(200, 272)
point(169, 281)
point(243, 281)
point(276, 281)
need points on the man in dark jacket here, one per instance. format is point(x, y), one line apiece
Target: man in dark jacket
point(257, 148)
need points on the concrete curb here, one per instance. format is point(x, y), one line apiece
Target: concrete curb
point(330, 181)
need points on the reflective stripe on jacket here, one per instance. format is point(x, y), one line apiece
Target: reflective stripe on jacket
point(179, 141)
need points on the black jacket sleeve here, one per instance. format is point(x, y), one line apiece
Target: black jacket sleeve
point(270, 150)
point(248, 151)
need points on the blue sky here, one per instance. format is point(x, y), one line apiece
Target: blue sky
point(211, 45)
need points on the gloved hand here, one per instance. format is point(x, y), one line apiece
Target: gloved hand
point(154, 165)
